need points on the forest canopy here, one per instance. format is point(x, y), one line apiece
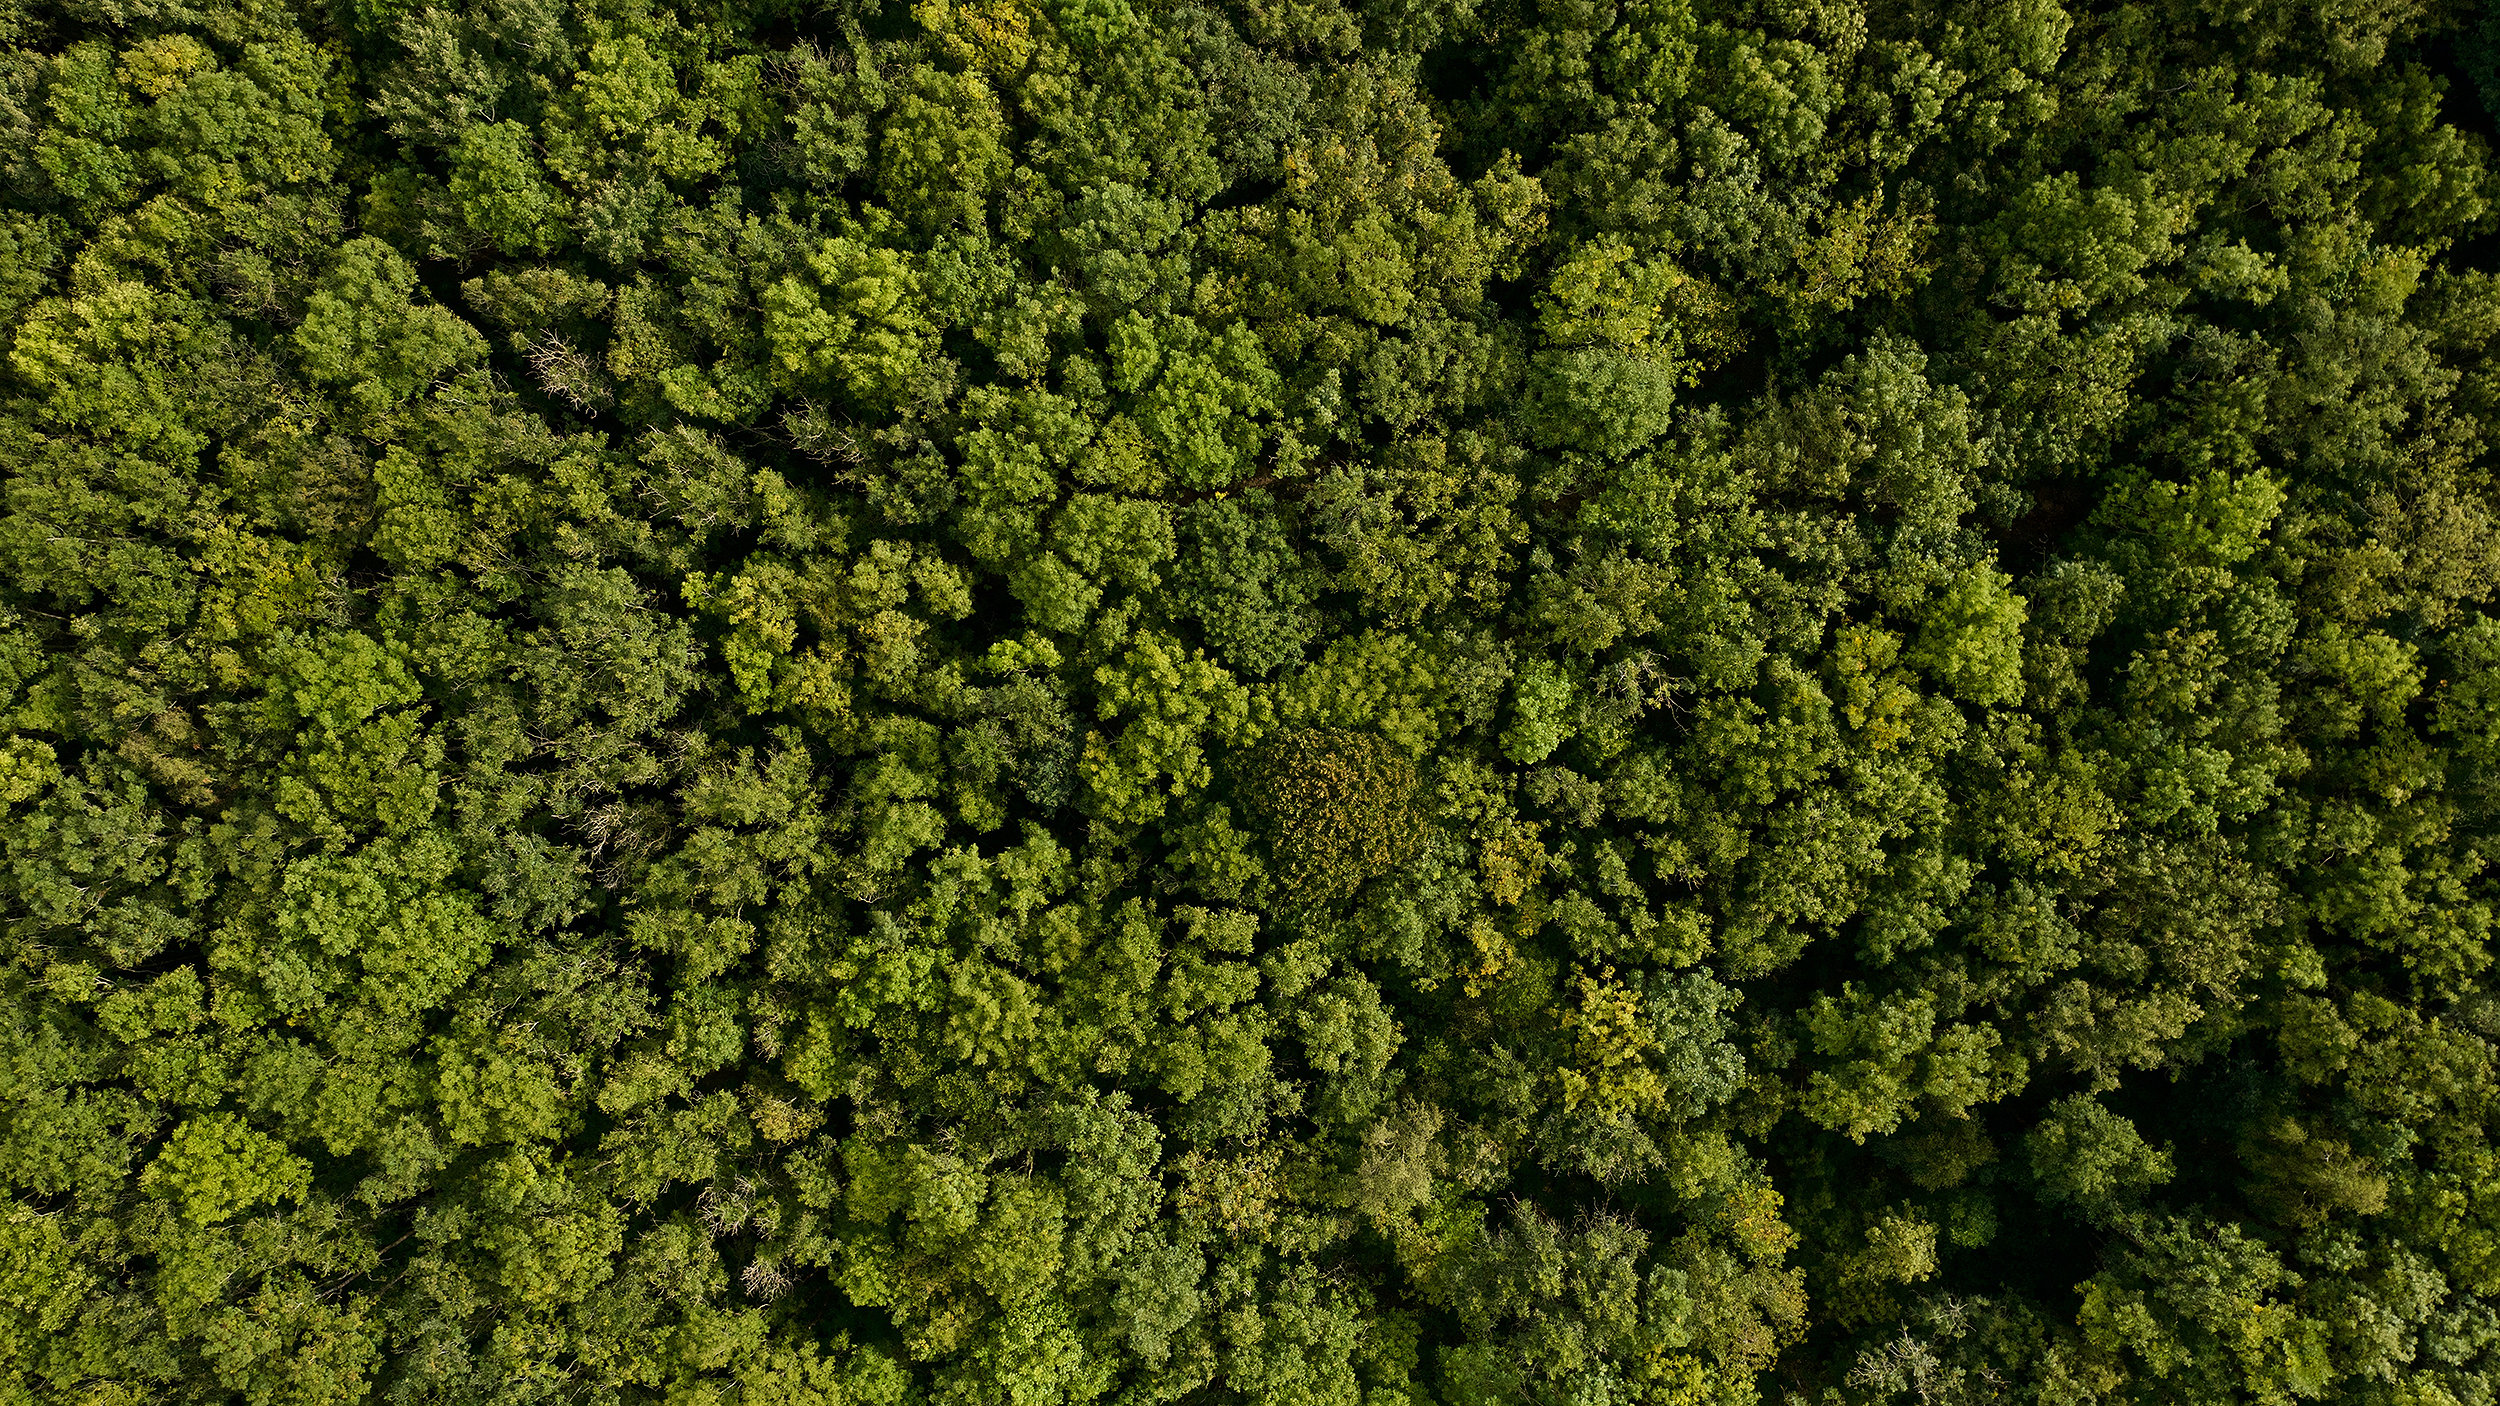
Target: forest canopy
point(1282, 702)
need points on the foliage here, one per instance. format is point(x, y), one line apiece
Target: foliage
point(1569, 702)
point(1342, 808)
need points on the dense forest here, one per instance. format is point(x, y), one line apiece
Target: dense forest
point(1286, 702)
